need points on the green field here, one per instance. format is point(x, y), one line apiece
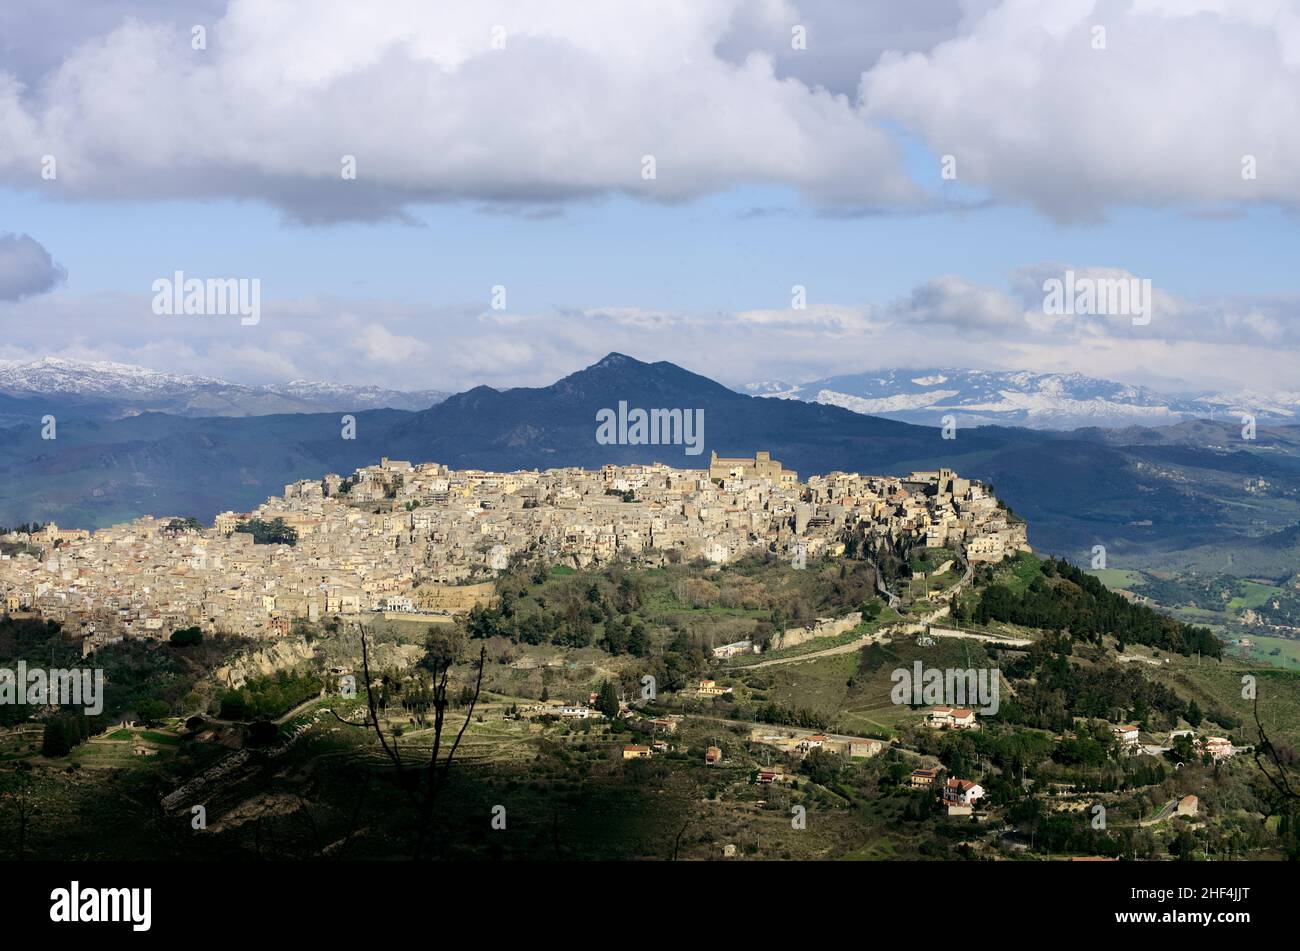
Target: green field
point(1262, 647)
point(1253, 595)
point(1117, 579)
point(853, 694)
point(1217, 686)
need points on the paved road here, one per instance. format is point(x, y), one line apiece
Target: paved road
point(278, 721)
point(902, 627)
point(991, 638)
point(1165, 812)
point(855, 644)
point(796, 731)
point(887, 632)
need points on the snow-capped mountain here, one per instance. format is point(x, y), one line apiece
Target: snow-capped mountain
point(1036, 400)
point(123, 389)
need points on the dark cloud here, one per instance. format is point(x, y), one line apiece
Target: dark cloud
point(844, 38)
point(36, 35)
point(26, 268)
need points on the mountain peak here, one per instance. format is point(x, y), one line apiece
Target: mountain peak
point(614, 359)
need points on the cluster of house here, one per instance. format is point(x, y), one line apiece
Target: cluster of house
point(957, 796)
point(409, 538)
point(710, 689)
point(1219, 747)
point(561, 710)
point(712, 754)
point(800, 743)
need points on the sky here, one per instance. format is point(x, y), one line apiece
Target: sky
point(913, 172)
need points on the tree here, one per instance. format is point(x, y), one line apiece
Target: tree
point(638, 640)
point(186, 637)
point(616, 636)
point(19, 798)
point(607, 700)
point(57, 739)
point(1182, 749)
point(822, 767)
point(274, 532)
point(443, 646)
point(151, 711)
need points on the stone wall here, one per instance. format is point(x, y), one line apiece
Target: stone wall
point(825, 627)
point(453, 598)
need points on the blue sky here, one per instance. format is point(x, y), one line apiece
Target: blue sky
point(738, 250)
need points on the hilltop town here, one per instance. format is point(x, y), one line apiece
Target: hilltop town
point(398, 537)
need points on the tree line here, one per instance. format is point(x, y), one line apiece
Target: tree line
point(1080, 604)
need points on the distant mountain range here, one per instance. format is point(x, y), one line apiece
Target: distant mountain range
point(1036, 400)
point(975, 397)
point(1141, 491)
point(120, 389)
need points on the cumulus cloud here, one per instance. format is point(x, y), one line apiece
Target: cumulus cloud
point(26, 268)
point(1016, 90)
point(960, 305)
point(569, 108)
point(1163, 115)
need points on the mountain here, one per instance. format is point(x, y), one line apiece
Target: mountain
point(1141, 491)
point(1036, 400)
point(120, 389)
point(556, 425)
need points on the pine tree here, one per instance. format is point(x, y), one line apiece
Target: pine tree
point(607, 700)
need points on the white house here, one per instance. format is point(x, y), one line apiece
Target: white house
point(951, 718)
point(964, 792)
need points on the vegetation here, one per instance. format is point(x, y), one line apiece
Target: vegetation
point(269, 697)
point(186, 637)
point(376, 778)
point(274, 532)
point(1064, 598)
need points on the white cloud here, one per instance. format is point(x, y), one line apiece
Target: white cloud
point(379, 345)
point(579, 94)
point(1015, 90)
point(1162, 116)
point(1191, 342)
point(960, 305)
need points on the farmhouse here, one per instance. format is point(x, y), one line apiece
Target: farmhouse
point(962, 791)
point(923, 778)
point(1126, 734)
point(951, 718)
